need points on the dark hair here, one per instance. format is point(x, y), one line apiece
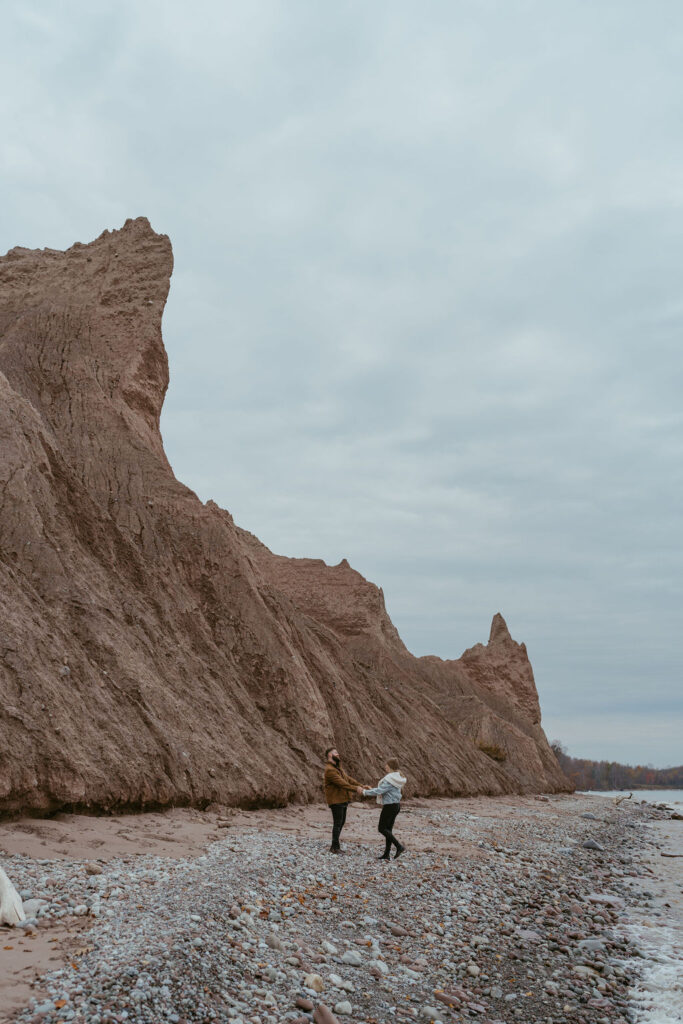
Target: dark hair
point(327, 752)
point(392, 762)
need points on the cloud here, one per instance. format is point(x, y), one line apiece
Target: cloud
point(426, 309)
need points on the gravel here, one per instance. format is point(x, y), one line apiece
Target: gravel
point(265, 926)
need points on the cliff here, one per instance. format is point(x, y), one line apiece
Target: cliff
point(151, 652)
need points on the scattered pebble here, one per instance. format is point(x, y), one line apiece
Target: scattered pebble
point(258, 927)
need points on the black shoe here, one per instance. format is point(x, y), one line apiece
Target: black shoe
point(399, 850)
point(335, 849)
point(385, 856)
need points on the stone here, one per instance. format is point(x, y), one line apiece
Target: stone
point(32, 906)
point(344, 1008)
point(430, 1012)
point(592, 945)
point(473, 970)
point(449, 998)
point(590, 844)
point(352, 957)
point(314, 982)
point(302, 1003)
point(323, 1015)
point(605, 899)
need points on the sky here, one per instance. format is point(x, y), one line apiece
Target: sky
point(426, 312)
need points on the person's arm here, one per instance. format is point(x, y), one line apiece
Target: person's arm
point(343, 782)
point(382, 787)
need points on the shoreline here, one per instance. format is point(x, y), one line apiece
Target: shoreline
point(497, 912)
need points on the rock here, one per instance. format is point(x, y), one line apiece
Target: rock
point(344, 1009)
point(302, 1003)
point(589, 816)
point(323, 1015)
point(11, 908)
point(314, 982)
point(31, 907)
point(592, 945)
point(397, 929)
point(430, 1012)
point(473, 970)
point(605, 899)
point(328, 947)
point(274, 942)
point(590, 844)
point(103, 548)
point(449, 998)
point(352, 957)
point(339, 982)
point(379, 965)
point(496, 992)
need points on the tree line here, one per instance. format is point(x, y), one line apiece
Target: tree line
point(586, 774)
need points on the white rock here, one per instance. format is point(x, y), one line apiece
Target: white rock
point(11, 909)
point(339, 982)
point(352, 958)
point(31, 907)
point(314, 982)
point(380, 965)
point(344, 1009)
point(473, 970)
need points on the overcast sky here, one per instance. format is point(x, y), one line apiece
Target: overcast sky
point(427, 305)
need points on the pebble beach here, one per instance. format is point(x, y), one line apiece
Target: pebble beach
point(508, 909)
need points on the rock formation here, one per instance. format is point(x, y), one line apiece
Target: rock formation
point(153, 653)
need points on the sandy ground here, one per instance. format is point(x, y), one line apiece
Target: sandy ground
point(187, 833)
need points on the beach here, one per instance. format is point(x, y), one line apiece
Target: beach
point(505, 909)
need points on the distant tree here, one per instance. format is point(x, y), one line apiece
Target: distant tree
point(587, 774)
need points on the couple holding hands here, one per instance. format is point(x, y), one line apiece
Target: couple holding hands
point(340, 789)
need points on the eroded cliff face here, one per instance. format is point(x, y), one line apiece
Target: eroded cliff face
point(151, 652)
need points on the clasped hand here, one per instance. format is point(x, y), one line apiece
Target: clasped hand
point(361, 790)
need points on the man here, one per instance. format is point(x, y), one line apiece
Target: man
point(339, 788)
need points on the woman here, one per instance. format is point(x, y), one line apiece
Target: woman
point(388, 792)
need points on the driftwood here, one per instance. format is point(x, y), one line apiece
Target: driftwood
point(620, 799)
point(11, 907)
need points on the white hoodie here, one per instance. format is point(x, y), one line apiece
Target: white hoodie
point(389, 789)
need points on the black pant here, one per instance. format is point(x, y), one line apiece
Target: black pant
point(338, 821)
point(386, 823)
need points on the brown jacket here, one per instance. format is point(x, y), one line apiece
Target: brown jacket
point(339, 787)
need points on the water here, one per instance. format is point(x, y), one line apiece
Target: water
point(658, 929)
point(672, 797)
